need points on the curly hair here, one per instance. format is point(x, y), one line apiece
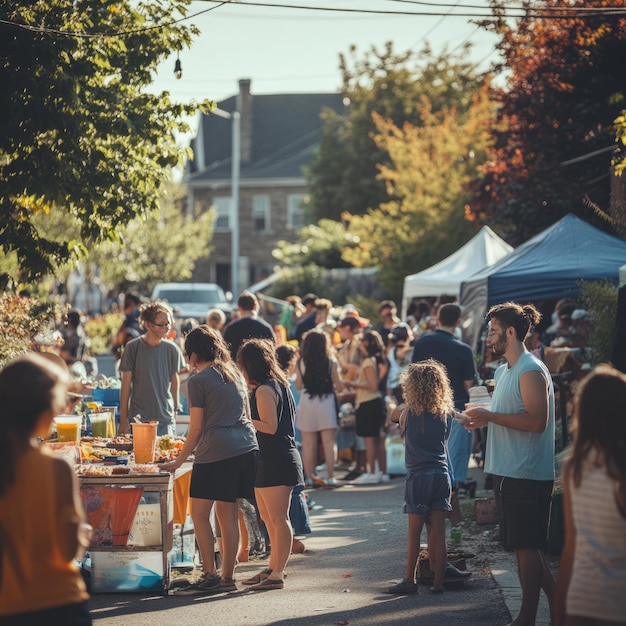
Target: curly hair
point(426, 388)
point(599, 423)
point(150, 310)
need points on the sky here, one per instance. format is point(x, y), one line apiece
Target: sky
point(291, 50)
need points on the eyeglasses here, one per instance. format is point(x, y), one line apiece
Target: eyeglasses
point(161, 325)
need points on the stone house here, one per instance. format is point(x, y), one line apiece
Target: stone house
point(278, 135)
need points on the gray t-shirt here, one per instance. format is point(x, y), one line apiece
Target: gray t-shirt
point(151, 391)
point(227, 429)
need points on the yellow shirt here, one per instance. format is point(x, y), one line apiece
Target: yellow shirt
point(34, 575)
point(365, 395)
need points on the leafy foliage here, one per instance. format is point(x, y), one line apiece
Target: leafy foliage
point(81, 133)
point(343, 174)
point(21, 319)
point(423, 219)
point(599, 298)
point(319, 244)
point(564, 88)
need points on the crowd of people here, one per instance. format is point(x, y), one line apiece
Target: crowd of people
point(263, 406)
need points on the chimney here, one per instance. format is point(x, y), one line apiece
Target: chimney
point(244, 106)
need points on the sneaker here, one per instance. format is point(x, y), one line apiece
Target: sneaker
point(367, 479)
point(331, 482)
point(321, 468)
point(384, 478)
point(228, 584)
point(318, 482)
point(207, 583)
point(404, 587)
point(352, 475)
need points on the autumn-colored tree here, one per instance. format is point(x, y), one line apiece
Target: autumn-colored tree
point(343, 175)
point(423, 219)
point(81, 134)
point(555, 132)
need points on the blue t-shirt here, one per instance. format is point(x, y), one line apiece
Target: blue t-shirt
point(425, 439)
point(517, 453)
point(457, 357)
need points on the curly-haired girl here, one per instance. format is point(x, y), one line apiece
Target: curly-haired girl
point(424, 421)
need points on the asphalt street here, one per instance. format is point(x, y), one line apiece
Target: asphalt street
point(357, 548)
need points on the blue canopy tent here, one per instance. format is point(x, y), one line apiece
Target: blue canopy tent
point(550, 265)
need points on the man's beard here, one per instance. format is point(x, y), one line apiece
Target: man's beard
point(499, 347)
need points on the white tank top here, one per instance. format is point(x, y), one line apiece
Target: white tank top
point(598, 585)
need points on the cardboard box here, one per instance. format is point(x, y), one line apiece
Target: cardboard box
point(124, 572)
point(485, 511)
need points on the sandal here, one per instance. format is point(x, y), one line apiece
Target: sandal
point(257, 578)
point(267, 584)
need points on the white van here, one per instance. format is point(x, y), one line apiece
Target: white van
point(193, 299)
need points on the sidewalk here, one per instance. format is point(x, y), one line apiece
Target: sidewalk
point(504, 567)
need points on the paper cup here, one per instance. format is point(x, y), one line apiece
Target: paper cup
point(144, 441)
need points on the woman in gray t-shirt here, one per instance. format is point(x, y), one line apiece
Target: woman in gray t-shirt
point(226, 453)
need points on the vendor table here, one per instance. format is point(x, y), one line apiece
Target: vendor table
point(133, 516)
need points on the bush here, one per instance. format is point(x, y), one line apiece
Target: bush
point(599, 298)
point(21, 319)
point(100, 330)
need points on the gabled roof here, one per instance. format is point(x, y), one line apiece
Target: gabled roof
point(285, 131)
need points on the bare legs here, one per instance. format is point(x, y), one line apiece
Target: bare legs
point(309, 450)
point(329, 443)
point(372, 448)
point(226, 513)
point(416, 523)
point(273, 503)
point(437, 549)
point(534, 575)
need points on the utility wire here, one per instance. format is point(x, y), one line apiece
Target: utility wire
point(525, 12)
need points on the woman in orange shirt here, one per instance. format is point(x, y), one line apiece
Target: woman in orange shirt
point(42, 527)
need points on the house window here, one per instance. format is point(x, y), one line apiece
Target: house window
point(222, 206)
point(260, 214)
point(295, 211)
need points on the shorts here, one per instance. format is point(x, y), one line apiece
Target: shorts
point(370, 417)
point(227, 480)
point(426, 491)
point(523, 508)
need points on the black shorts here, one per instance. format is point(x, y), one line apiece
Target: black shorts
point(226, 480)
point(370, 417)
point(523, 511)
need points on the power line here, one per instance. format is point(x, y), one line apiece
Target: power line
point(524, 12)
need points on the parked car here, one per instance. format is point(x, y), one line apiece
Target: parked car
point(193, 299)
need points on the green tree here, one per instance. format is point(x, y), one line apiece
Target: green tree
point(343, 174)
point(552, 143)
point(161, 246)
point(320, 244)
point(81, 134)
point(423, 219)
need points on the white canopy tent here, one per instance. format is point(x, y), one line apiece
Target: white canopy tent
point(445, 277)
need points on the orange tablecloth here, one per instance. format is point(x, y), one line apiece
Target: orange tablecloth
point(182, 480)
